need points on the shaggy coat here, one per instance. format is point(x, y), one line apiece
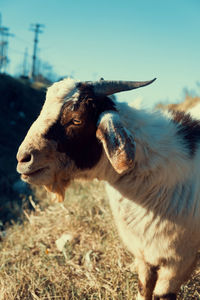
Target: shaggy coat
point(150, 163)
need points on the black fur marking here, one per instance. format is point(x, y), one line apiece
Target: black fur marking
point(188, 129)
point(79, 142)
point(170, 296)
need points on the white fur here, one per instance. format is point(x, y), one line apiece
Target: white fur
point(156, 206)
point(195, 111)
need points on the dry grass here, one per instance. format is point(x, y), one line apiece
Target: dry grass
point(188, 103)
point(92, 265)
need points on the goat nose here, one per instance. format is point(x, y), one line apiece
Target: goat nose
point(24, 157)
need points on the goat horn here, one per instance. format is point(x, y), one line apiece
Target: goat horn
point(107, 87)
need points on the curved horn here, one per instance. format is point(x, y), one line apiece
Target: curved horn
point(107, 87)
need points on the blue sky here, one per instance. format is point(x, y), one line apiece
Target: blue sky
point(128, 40)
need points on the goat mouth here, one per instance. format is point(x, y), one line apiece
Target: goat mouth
point(32, 174)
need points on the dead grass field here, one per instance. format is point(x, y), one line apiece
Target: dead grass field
point(93, 263)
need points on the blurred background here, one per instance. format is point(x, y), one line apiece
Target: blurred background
point(129, 40)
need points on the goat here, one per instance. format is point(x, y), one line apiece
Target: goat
point(150, 162)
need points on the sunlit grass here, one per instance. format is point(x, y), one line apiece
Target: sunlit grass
point(93, 264)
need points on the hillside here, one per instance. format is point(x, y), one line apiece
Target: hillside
point(188, 103)
point(20, 104)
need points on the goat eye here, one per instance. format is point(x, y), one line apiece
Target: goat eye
point(76, 122)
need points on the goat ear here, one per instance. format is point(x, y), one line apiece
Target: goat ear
point(117, 141)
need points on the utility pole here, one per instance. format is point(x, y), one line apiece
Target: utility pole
point(25, 62)
point(4, 34)
point(36, 29)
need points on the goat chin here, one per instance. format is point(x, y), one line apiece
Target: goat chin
point(58, 193)
point(57, 188)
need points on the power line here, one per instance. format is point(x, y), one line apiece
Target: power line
point(17, 51)
point(36, 29)
point(22, 40)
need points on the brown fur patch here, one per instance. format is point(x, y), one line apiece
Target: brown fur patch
point(78, 141)
point(151, 281)
point(170, 296)
point(147, 289)
point(188, 129)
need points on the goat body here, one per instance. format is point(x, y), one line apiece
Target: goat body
point(156, 205)
point(150, 164)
